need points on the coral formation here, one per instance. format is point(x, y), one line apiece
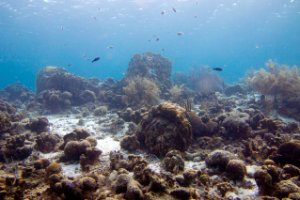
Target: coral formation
point(236, 169)
point(47, 142)
point(141, 91)
point(16, 148)
point(152, 67)
point(166, 127)
point(38, 125)
point(173, 162)
point(201, 80)
point(219, 159)
point(17, 92)
point(58, 89)
point(216, 146)
point(289, 152)
point(281, 82)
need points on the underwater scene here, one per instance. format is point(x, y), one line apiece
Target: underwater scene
point(149, 99)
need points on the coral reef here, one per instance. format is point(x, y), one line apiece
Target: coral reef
point(47, 142)
point(166, 127)
point(55, 100)
point(219, 159)
point(201, 80)
point(173, 162)
point(141, 91)
point(58, 89)
point(152, 67)
point(17, 92)
point(130, 143)
point(16, 148)
point(289, 152)
point(39, 125)
point(236, 125)
point(281, 82)
point(213, 146)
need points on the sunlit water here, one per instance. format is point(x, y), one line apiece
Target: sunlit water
point(236, 35)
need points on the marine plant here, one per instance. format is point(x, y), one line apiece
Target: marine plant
point(141, 91)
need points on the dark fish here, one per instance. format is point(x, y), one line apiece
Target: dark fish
point(180, 33)
point(96, 59)
point(157, 39)
point(217, 69)
point(174, 10)
point(162, 12)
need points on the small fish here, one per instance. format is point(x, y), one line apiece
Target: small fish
point(162, 12)
point(157, 39)
point(180, 33)
point(95, 59)
point(217, 69)
point(110, 47)
point(69, 65)
point(174, 10)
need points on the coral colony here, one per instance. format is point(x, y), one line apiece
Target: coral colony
point(152, 136)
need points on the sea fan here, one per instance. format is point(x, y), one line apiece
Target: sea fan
point(141, 91)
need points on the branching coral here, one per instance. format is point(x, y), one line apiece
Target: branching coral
point(141, 91)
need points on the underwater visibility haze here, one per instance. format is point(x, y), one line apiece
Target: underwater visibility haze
point(149, 99)
point(235, 35)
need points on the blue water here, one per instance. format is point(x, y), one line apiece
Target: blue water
point(236, 35)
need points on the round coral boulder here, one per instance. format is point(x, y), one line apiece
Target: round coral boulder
point(236, 169)
point(165, 127)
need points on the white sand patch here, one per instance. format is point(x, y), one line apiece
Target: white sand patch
point(51, 156)
point(251, 169)
point(107, 145)
point(195, 165)
point(97, 126)
point(155, 166)
point(71, 170)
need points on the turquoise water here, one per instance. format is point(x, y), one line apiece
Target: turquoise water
point(236, 35)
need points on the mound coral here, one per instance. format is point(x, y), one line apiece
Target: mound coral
point(56, 86)
point(17, 92)
point(166, 127)
point(141, 91)
point(282, 83)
